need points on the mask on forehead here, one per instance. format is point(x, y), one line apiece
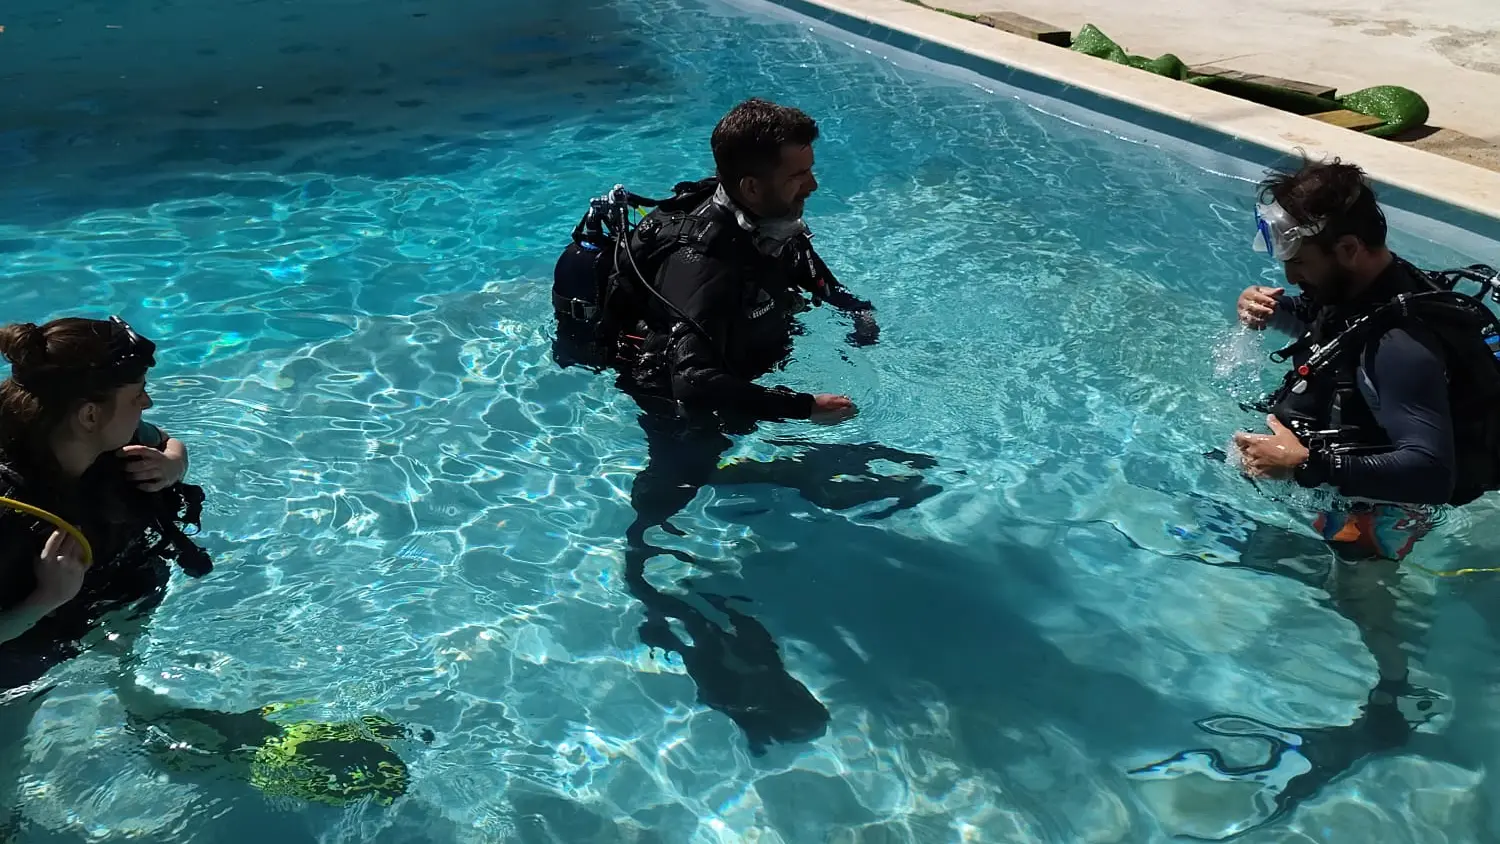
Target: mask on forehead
point(1279, 234)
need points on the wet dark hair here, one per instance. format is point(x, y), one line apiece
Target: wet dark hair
point(57, 366)
point(748, 140)
point(1335, 191)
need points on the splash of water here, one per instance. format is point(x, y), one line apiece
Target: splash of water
point(1238, 362)
point(1235, 351)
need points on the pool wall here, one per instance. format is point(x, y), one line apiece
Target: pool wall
point(1463, 200)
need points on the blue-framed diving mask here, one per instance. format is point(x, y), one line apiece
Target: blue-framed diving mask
point(1279, 234)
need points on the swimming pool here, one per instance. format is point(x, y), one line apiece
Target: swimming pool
point(417, 514)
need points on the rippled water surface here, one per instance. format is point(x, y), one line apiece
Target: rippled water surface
point(417, 514)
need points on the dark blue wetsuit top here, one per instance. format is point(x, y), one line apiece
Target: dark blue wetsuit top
point(1404, 380)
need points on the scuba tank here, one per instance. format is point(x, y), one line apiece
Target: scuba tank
point(583, 268)
point(602, 280)
point(581, 274)
point(581, 279)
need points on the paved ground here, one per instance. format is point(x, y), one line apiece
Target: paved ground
point(1446, 50)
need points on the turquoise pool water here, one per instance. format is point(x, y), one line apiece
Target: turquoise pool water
point(417, 514)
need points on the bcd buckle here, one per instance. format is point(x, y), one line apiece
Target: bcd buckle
point(581, 310)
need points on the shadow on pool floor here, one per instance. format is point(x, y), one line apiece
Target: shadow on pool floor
point(931, 628)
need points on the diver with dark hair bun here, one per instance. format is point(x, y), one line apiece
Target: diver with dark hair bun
point(94, 496)
point(92, 504)
point(92, 510)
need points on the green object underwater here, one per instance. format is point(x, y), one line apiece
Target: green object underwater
point(332, 763)
point(1400, 108)
point(320, 762)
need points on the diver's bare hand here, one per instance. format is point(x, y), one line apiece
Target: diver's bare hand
point(1275, 456)
point(1257, 305)
point(59, 573)
point(153, 470)
point(830, 409)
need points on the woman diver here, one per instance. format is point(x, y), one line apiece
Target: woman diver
point(73, 444)
point(73, 447)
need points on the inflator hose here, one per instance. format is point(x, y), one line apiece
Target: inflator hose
point(21, 506)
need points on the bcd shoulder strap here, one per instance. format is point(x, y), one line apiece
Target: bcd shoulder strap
point(665, 231)
point(1459, 321)
point(1453, 315)
point(689, 195)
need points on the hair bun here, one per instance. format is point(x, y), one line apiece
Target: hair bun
point(24, 344)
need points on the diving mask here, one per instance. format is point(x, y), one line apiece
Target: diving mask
point(130, 357)
point(1279, 234)
point(128, 349)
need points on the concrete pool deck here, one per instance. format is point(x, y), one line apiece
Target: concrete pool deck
point(1412, 170)
point(1446, 50)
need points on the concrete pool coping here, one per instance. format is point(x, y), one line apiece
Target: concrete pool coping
point(1414, 180)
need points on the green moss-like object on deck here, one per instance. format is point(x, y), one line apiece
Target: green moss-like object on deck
point(964, 15)
point(1400, 108)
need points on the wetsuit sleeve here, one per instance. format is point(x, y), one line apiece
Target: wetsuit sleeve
point(1294, 314)
point(831, 290)
point(1410, 381)
point(708, 291)
point(828, 288)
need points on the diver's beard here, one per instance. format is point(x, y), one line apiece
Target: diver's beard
point(771, 236)
point(1335, 288)
point(785, 224)
point(780, 228)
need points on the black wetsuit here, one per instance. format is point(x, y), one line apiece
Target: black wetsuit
point(697, 386)
point(746, 304)
point(1402, 379)
point(130, 565)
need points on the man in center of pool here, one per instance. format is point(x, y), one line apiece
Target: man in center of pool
point(701, 299)
point(731, 290)
point(691, 306)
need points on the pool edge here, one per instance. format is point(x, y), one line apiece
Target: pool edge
point(1414, 180)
